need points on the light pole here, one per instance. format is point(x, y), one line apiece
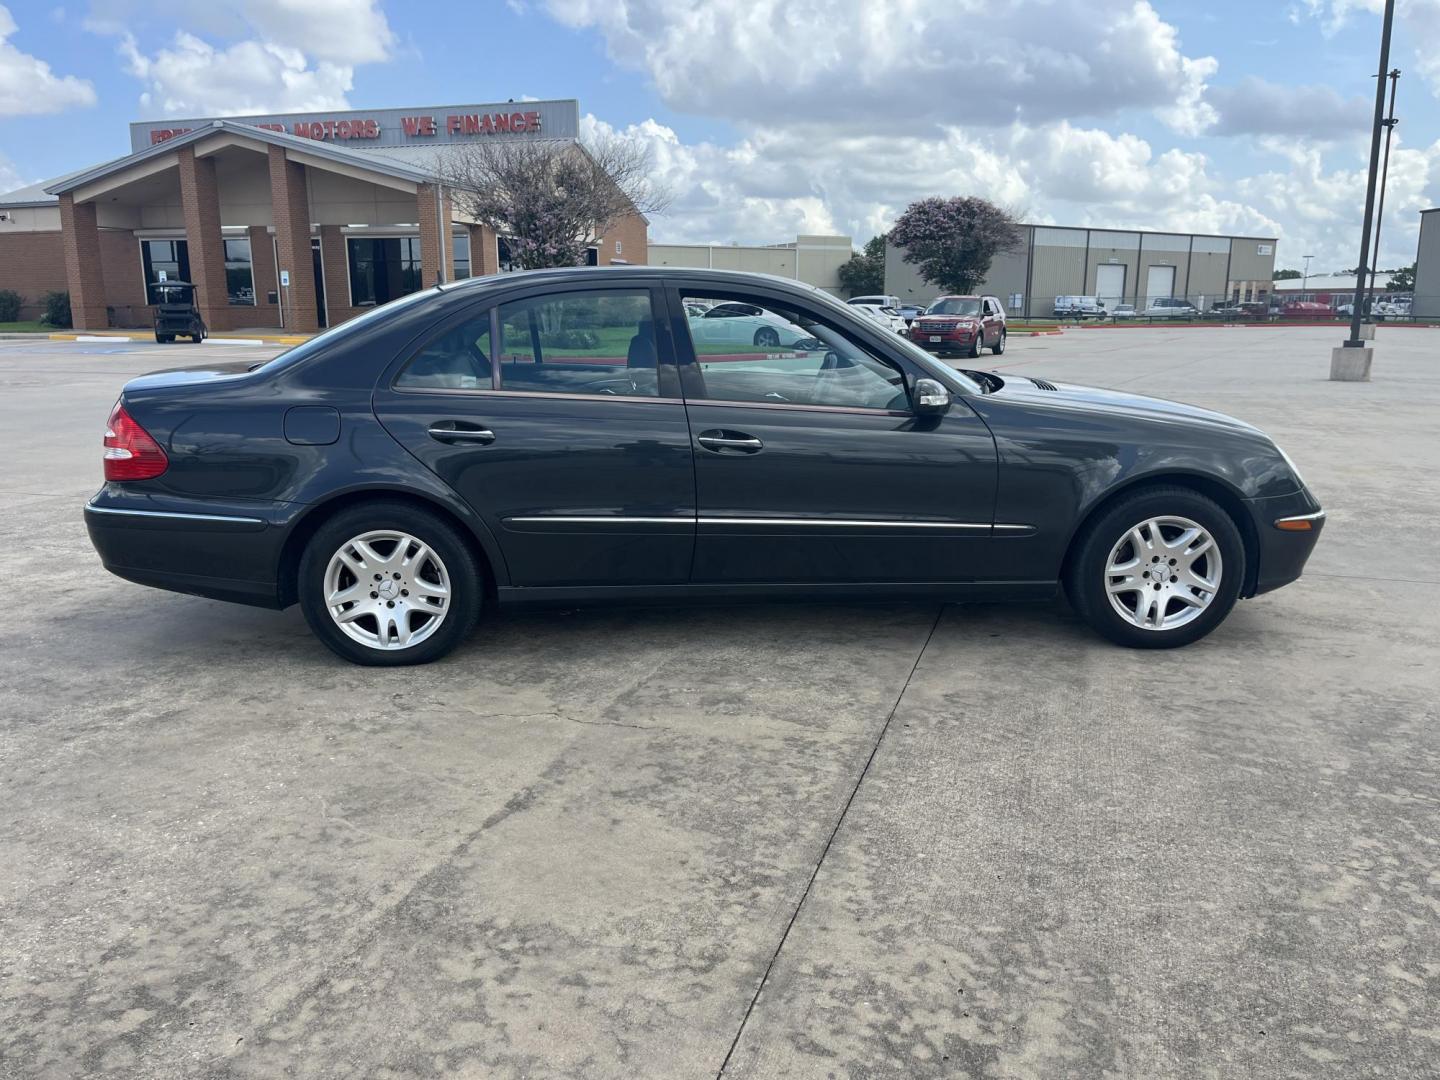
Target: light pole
point(1390, 123)
point(1351, 361)
point(1305, 278)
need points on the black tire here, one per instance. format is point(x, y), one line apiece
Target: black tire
point(767, 337)
point(196, 339)
point(165, 339)
point(1085, 578)
point(467, 582)
point(999, 347)
point(977, 345)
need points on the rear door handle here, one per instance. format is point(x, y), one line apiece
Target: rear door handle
point(721, 442)
point(449, 431)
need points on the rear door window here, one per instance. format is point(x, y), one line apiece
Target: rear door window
point(599, 341)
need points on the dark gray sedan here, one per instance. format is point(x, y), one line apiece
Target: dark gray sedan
point(566, 436)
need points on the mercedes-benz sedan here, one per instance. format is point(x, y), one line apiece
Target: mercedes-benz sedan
point(567, 436)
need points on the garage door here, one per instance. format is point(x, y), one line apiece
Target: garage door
point(1110, 285)
point(1159, 282)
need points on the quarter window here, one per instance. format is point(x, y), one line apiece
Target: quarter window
point(459, 359)
point(588, 342)
point(750, 353)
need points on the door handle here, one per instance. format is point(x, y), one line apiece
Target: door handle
point(721, 441)
point(442, 433)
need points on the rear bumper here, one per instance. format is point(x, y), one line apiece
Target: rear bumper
point(1283, 553)
point(223, 553)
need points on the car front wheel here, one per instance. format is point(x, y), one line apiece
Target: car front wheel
point(1161, 568)
point(387, 584)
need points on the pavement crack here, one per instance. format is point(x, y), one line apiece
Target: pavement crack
point(615, 723)
point(814, 873)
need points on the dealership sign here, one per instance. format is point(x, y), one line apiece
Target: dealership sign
point(397, 127)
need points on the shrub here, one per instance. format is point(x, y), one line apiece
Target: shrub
point(57, 309)
point(569, 339)
point(9, 305)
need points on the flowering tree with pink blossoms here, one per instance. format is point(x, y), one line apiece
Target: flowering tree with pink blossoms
point(550, 199)
point(953, 241)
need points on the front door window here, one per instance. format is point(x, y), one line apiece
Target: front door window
point(746, 352)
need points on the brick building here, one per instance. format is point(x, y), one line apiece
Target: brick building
point(295, 221)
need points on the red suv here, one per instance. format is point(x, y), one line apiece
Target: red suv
point(963, 324)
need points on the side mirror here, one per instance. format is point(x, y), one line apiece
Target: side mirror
point(931, 398)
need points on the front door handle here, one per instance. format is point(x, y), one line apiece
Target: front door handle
point(449, 431)
point(720, 442)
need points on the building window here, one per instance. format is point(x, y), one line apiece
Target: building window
point(504, 260)
point(239, 274)
point(172, 257)
point(382, 269)
point(618, 250)
point(461, 248)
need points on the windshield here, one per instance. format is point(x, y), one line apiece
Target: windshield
point(955, 305)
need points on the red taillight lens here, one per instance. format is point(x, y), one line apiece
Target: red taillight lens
point(130, 452)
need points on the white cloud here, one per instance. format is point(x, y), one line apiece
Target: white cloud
point(904, 65)
point(345, 31)
point(10, 177)
point(192, 77)
point(1255, 106)
point(271, 56)
point(28, 86)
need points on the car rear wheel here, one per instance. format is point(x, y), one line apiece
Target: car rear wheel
point(1160, 569)
point(766, 337)
point(386, 584)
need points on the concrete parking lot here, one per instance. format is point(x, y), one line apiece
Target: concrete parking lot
point(782, 840)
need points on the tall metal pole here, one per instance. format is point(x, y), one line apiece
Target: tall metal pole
point(1390, 123)
point(1364, 263)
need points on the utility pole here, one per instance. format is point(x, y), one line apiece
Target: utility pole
point(1305, 277)
point(1390, 123)
point(1351, 362)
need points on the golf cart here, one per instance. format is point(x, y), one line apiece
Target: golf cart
point(175, 312)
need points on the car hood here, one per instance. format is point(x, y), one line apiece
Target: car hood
point(923, 319)
point(1115, 402)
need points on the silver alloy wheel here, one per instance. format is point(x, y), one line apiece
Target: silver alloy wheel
point(1163, 572)
point(1000, 345)
point(387, 590)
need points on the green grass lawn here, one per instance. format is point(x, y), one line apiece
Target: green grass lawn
point(29, 326)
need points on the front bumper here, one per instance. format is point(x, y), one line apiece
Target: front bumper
point(950, 340)
point(1282, 553)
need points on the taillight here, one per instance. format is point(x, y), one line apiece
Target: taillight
point(130, 452)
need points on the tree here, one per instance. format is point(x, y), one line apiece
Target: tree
point(1288, 275)
point(864, 273)
point(1402, 280)
point(550, 199)
point(953, 241)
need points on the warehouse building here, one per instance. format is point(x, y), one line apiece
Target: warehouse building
point(295, 221)
point(1116, 266)
point(815, 260)
point(1426, 304)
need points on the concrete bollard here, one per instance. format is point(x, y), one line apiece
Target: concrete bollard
point(1351, 364)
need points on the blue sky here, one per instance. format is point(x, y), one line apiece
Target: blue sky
point(772, 117)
